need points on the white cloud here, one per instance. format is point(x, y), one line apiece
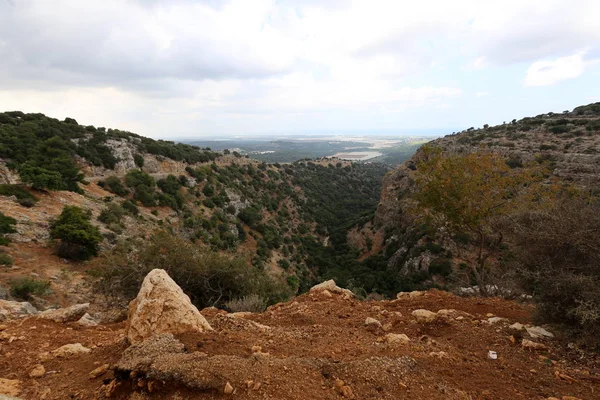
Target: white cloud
point(210, 65)
point(545, 73)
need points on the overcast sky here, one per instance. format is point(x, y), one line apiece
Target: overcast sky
point(185, 68)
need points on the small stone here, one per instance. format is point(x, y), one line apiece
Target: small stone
point(410, 295)
point(326, 293)
point(38, 371)
point(372, 322)
point(494, 320)
point(228, 388)
point(424, 316)
point(387, 327)
point(87, 321)
point(397, 338)
point(489, 315)
point(460, 318)
point(517, 326)
point(69, 350)
point(439, 354)
point(528, 344)
point(101, 370)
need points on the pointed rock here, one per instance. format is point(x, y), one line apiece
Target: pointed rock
point(162, 307)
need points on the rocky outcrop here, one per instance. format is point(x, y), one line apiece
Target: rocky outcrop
point(15, 309)
point(162, 307)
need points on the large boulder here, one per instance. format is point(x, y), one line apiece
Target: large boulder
point(162, 307)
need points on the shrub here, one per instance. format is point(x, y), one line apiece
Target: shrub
point(7, 225)
point(130, 207)
point(24, 288)
point(23, 196)
point(114, 185)
point(139, 160)
point(79, 239)
point(136, 177)
point(207, 277)
point(5, 259)
point(112, 214)
point(557, 258)
point(252, 303)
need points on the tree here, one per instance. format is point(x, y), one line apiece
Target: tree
point(468, 194)
point(79, 239)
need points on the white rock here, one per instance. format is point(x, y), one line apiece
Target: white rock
point(87, 320)
point(538, 332)
point(162, 307)
point(15, 309)
point(517, 326)
point(332, 288)
point(424, 316)
point(69, 350)
point(494, 320)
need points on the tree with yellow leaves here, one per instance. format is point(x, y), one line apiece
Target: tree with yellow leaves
point(468, 194)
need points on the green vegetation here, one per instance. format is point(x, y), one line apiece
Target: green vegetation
point(24, 288)
point(5, 259)
point(79, 239)
point(43, 149)
point(7, 225)
point(210, 279)
point(114, 185)
point(23, 196)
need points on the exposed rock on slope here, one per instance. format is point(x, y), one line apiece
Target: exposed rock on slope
point(162, 307)
point(568, 142)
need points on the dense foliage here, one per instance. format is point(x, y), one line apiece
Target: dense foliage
point(209, 278)
point(79, 239)
point(43, 150)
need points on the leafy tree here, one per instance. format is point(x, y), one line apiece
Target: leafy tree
point(469, 194)
point(79, 239)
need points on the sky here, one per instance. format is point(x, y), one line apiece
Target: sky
point(199, 68)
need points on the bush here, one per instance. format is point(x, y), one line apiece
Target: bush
point(557, 260)
point(41, 178)
point(7, 225)
point(24, 288)
point(130, 207)
point(23, 196)
point(79, 239)
point(252, 303)
point(139, 160)
point(5, 259)
point(207, 277)
point(112, 214)
point(114, 185)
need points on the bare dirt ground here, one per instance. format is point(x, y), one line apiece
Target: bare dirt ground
point(314, 347)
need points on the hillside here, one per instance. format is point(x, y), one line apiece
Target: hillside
point(567, 144)
point(284, 219)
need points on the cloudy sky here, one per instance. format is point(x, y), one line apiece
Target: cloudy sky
point(183, 68)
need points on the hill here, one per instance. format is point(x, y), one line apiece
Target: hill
point(288, 220)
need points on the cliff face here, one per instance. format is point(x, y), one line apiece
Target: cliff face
point(569, 143)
